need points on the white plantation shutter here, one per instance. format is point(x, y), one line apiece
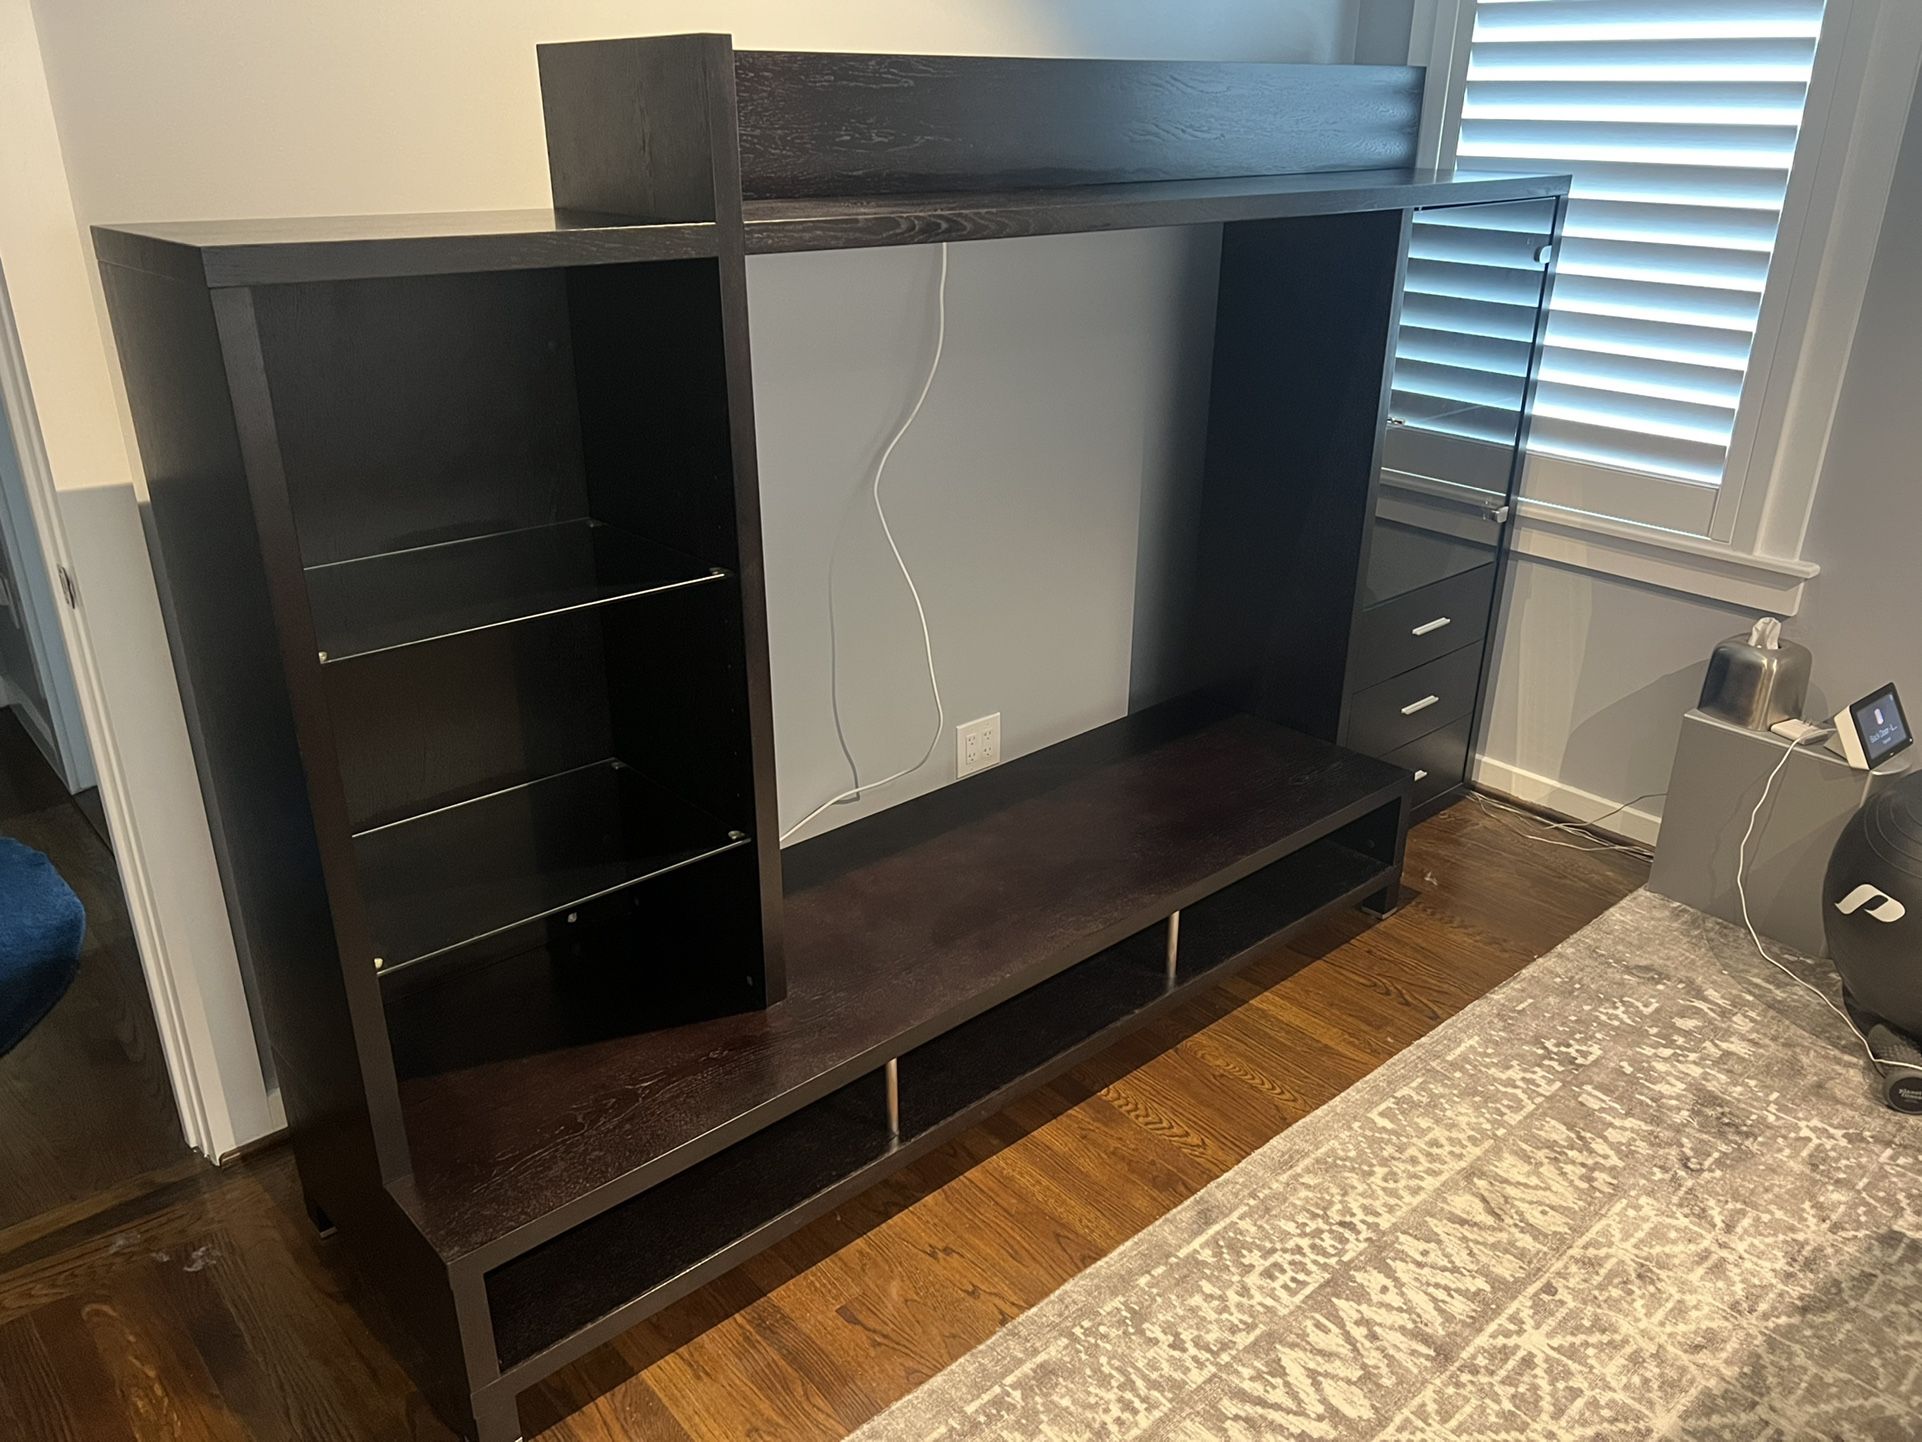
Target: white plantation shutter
point(1678, 120)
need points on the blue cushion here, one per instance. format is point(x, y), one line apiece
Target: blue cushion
point(41, 924)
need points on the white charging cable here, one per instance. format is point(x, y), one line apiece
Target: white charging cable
point(1741, 890)
point(927, 640)
point(1586, 830)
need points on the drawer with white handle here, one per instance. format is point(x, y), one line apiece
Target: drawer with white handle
point(1408, 630)
point(1439, 760)
point(1414, 703)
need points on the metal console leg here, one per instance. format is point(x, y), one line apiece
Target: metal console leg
point(892, 1073)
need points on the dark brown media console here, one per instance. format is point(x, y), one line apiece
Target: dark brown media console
point(457, 526)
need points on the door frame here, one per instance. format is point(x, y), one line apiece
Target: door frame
point(61, 729)
point(221, 1108)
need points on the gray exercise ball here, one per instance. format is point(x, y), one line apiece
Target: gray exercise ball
point(1873, 906)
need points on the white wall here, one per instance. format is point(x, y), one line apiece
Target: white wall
point(183, 108)
point(1865, 615)
point(1065, 388)
point(1590, 679)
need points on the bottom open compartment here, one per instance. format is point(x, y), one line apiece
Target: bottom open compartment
point(980, 1066)
point(671, 1238)
point(589, 1283)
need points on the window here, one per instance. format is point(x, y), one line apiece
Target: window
point(1679, 121)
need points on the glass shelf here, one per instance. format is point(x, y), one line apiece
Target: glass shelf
point(428, 593)
point(458, 875)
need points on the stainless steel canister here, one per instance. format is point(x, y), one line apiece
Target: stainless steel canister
point(1754, 685)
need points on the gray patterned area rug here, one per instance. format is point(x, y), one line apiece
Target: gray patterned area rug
point(1641, 1190)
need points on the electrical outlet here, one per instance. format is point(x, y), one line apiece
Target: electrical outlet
point(977, 745)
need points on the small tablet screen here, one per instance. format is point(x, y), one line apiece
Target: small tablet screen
point(1881, 725)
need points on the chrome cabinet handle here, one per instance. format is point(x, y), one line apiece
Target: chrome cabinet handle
point(1434, 625)
point(1421, 775)
point(1421, 705)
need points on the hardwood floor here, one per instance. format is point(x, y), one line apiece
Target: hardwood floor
point(204, 1307)
point(85, 1104)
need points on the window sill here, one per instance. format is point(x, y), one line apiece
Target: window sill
point(1668, 559)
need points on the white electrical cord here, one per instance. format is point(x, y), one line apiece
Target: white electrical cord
point(1573, 828)
point(927, 640)
point(1741, 890)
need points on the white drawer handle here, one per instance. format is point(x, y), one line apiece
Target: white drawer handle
point(1421, 775)
point(1421, 705)
point(1434, 625)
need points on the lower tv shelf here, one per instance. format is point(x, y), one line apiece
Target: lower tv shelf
point(943, 957)
point(567, 1296)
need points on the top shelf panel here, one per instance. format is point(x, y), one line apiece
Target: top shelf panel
point(270, 252)
point(364, 247)
point(429, 593)
point(845, 222)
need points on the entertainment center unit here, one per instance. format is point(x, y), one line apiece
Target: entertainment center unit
point(456, 521)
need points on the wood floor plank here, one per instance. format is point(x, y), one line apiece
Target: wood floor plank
point(1223, 1048)
point(991, 1243)
point(56, 1401)
point(806, 1341)
point(161, 1380)
point(1115, 1145)
point(88, 1401)
point(1106, 1205)
point(272, 1322)
point(727, 1380)
point(1231, 1118)
point(248, 1369)
point(1141, 1102)
point(132, 1198)
point(604, 1395)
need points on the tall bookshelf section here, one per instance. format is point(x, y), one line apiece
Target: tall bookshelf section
point(452, 554)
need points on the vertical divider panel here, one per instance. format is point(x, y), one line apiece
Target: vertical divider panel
point(214, 592)
point(280, 552)
point(648, 128)
point(1299, 384)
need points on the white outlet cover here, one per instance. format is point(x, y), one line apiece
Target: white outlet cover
point(977, 745)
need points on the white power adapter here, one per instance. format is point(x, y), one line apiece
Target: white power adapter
point(1799, 732)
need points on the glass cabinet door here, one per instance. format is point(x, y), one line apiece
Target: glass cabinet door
point(1476, 277)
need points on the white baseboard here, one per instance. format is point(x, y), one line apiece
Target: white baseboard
point(1548, 794)
point(276, 1130)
